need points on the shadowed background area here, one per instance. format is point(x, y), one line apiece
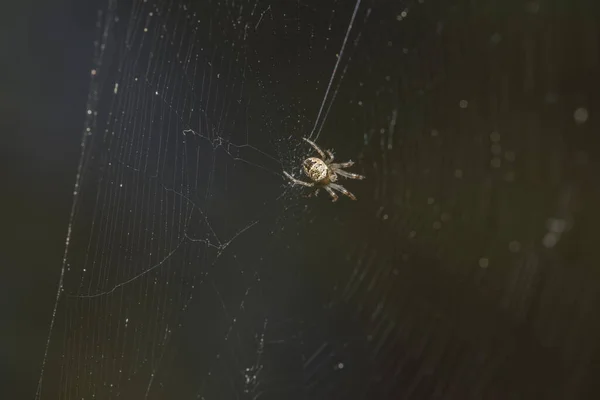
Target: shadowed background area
point(152, 135)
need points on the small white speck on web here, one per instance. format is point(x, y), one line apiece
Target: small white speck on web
point(484, 262)
point(463, 104)
point(116, 89)
point(533, 7)
point(514, 246)
point(556, 225)
point(550, 239)
point(581, 115)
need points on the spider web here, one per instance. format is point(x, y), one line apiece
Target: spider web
point(193, 269)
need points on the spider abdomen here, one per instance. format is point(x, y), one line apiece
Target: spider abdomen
point(316, 169)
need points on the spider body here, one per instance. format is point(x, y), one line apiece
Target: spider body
point(318, 171)
point(323, 173)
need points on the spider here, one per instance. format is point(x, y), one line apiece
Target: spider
point(323, 173)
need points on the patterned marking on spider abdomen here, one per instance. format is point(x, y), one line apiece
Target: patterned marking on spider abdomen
point(315, 169)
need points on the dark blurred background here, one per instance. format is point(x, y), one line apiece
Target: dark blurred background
point(46, 56)
point(468, 268)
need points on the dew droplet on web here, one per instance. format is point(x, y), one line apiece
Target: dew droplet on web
point(557, 225)
point(550, 239)
point(495, 38)
point(580, 115)
point(514, 246)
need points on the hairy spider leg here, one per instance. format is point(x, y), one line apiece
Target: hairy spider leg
point(343, 165)
point(331, 156)
point(334, 196)
point(342, 189)
point(348, 174)
point(296, 181)
point(317, 148)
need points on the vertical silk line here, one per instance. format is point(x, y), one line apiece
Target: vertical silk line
point(109, 18)
point(335, 70)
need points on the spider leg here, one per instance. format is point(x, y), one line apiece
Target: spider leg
point(317, 148)
point(343, 165)
point(348, 174)
point(342, 189)
point(331, 156)
point(334, 196)
point(296, 181)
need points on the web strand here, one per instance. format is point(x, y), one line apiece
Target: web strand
point(335, 68)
